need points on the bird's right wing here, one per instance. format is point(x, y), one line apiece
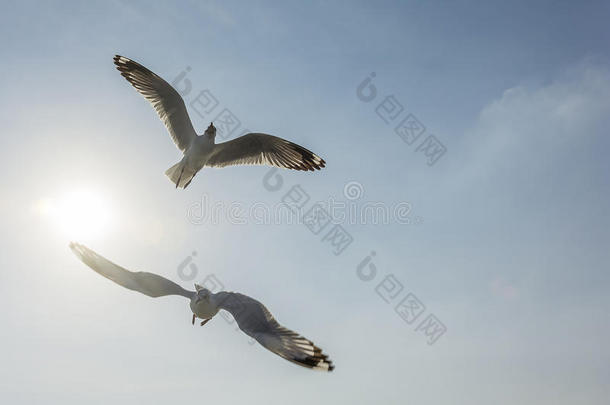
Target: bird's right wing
point(150, 284)
point(264, 149)
point(256, 321)
point(163, 97)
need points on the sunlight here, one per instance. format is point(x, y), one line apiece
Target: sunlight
point(78, 214)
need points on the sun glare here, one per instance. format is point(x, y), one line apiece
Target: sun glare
point(78, 214)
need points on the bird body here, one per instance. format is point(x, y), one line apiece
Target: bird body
point(203, 303)
point(194, 159)
point(201, 150)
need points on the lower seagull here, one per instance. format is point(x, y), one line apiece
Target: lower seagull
point(252, 317)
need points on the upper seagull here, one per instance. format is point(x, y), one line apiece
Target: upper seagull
point(252, 317)
point(200, 150)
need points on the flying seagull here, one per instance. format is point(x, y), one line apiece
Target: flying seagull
point(200, 150)
point(252, 317)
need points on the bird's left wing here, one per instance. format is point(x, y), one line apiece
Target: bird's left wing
point(256, 321)
point(163, 97)
point(150, 284)
point(263, 149)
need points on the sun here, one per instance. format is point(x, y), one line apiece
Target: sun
point(78, 214)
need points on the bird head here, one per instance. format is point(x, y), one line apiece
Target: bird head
point(202, 292)
point(211, 131)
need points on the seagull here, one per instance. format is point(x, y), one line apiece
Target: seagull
point(201, 150)
point(252, 317)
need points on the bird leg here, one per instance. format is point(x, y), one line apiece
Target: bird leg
point(205, 321)
point(193, 321)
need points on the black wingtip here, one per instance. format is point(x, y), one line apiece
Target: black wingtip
point(318, 361)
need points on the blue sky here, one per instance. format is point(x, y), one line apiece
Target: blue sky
point(508, 241)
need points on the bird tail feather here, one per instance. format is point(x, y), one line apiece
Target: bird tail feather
point(180, 174)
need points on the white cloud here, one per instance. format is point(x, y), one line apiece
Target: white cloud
point(529, 128)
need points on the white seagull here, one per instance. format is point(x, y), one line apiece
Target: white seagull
point(200, 150)
point(252, 317)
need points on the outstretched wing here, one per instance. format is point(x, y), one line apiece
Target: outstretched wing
point(263, 149)
point(163, 97)
point(256, 321)
point(150, 284)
